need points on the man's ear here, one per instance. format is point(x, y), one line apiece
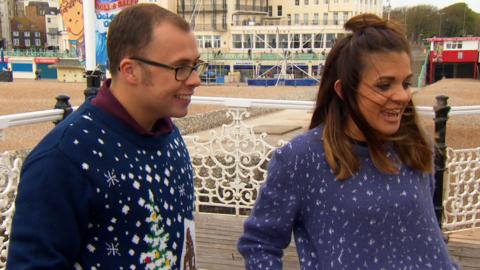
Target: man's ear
point(128, 70)
point(338, 89)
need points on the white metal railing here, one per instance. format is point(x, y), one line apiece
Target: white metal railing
point(462, 189)
point(231, 165)
point(9, 178)
point(28, 118)
point(19, 119)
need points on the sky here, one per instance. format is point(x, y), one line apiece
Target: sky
point(473, 4)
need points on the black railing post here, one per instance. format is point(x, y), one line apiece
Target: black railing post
point(441, 116)
point(94, 79)
point(64, 104)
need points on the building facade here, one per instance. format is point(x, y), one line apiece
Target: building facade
point(7, 8)
point(258, 37)
point(28, 32)
point(453, 57)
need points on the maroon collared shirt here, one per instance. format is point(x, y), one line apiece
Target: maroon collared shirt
point(107, 102)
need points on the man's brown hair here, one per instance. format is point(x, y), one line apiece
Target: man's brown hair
point(346, 62)
point(131, 31)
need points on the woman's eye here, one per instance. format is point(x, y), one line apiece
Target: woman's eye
point(407, 85)
point(383, 86)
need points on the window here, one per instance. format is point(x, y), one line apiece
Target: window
point(214, 21)
point(237, 41)
point(52, 32)
point(26, 34)
point(272, 41)
point(330, 40)
point(316, 18)
point(49, 20)
point(297, 19)
point(345, 17)
point(270, 11)
point(318, 41)
point(335, 1)
point(15, 33)
point(335, 18)
point(260, 41)
point(295, 41)
point(208, 42)
point(217, 41)
point(16, 42)
point(27, 42)
point(453, 45)
point(317, 2)
point(199, 41)
point(305, 2)
point(325, 2)
point(306, 41)
point(305, 19)
point(283, 38)
point(37, 34)
point(346, 1)
point(247, 41)
point(279, 11)
point(297, 2)
point(289, 19)
point(325, 18)
point(38, 42)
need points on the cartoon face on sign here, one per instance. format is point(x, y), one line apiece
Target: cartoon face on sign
point(72, 14)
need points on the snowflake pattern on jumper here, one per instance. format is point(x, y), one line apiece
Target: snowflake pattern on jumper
point(372, 220)
point(143, 193)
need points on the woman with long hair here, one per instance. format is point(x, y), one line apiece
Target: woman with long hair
point(356, 189)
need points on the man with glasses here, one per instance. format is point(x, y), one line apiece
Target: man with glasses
point(111, 187)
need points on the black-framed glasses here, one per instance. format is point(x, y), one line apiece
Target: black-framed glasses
point(182, 73)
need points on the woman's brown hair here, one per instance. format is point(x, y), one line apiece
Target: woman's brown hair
point(346, 62)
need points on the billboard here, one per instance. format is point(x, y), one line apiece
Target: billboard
point(72, 15)
point(105, 11)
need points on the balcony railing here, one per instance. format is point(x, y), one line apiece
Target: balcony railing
point(201, 8)
point(40, 53)
point(209, 27)
point(291, 22)
point(254, 8)
point(262, 56)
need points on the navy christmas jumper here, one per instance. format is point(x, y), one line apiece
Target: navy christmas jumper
point(94, 194)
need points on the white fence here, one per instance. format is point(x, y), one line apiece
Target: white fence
point(231, 165)
point(462, 189)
